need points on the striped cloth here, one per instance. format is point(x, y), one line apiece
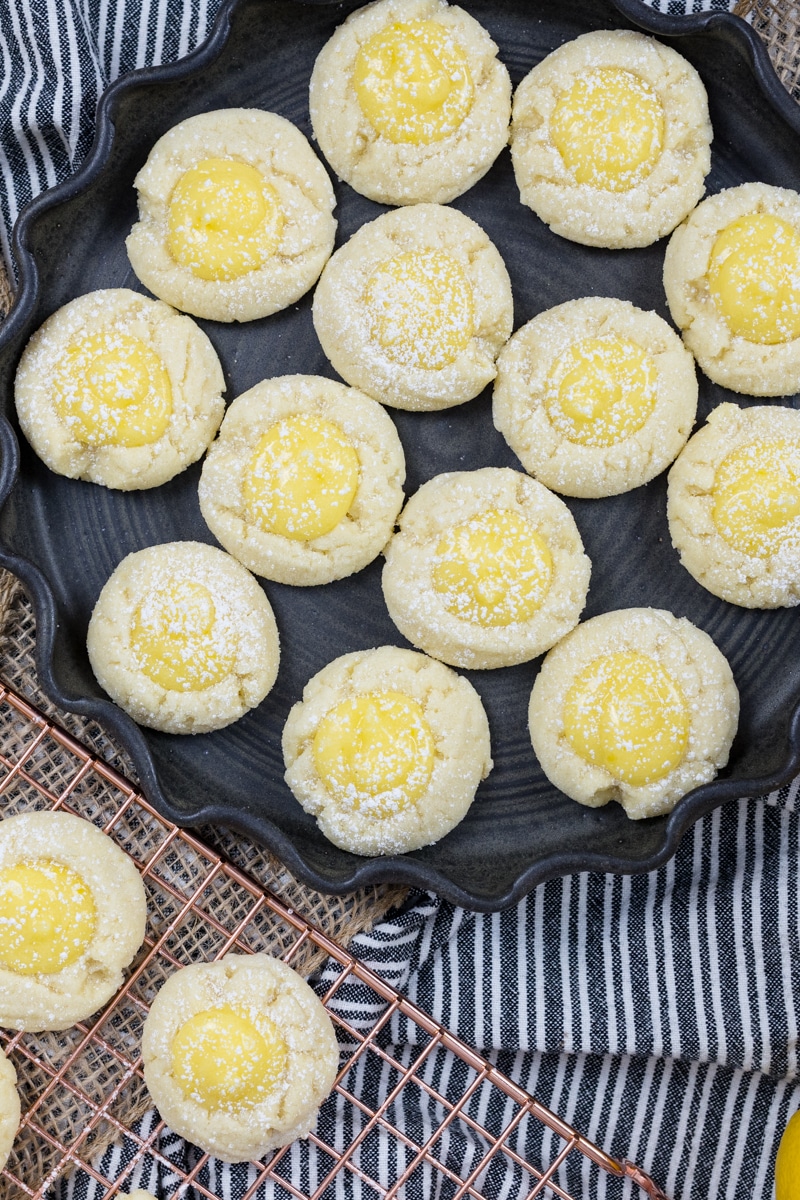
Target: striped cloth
point(656, 1013)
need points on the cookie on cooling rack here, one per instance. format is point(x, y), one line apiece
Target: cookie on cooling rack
point(9, 1108)
point(120, 390)
point(305, 480)
point(409, 102)
point(610, 139)
point(733, 504)
point(238, 1055)
point(414, 309)
point(386, 749)
point(487, 569)
point(183, 638)
point(235, 215)
point(732, 278)
point(595, 397)
point(636, 706)
point(72, 916)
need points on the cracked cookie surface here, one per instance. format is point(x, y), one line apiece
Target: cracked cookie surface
point(414, 309)
point(235, 215)
point(9, 1108)
point(305, 481)
point(73, 916)
point(636, 706)
point(732, 279)
point(409, 101)
point(487, 569)
point(120, 390)
point(183, 638)
point(595, 396)
point(238, 1055)
point(610, 139)
point(733, 505)
point(386, 749)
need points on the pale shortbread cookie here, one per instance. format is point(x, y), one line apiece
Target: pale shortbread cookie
point(386, 749)
point(139, 1194)
point(415, 308)
point(438, 101)
point(120, 390)
point(183, 638)
point(636, 706)
point(610, 139)
point(238, 1055)
point(337, 454)
point(733, 504)
point(236, 241)
point(750, 341)
point(487, 570)
point(61, 874)
point(9, 1108)
point(595, 397)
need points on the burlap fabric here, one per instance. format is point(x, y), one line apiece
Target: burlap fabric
point(340, 917)
point(778, 24)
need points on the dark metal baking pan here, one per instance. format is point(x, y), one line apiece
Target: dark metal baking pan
point(63, 538)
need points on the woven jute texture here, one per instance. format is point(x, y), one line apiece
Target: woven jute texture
point(778, 24)
point(182, 871)
point(340, 917)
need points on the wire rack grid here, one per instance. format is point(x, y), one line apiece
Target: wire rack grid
point(83, 1090)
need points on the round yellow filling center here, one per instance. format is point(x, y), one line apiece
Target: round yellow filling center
point(47, 917)
point(626, 714)
point(413, 83)
point(608, 126)
point(754, 277)
point(112, 389)
point(224, 1058)
point(225, 219)
point(302, 478)
point(757, 497)
point(421, 310)
point(375, 751)
point(178, 641)
point(601, 391)
point(493, 570)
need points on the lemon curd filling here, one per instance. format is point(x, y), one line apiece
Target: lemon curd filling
point(47, 917)
point(601, 390)
point(754, 278)
point(112, 389)
point(413, 83)
point(224, 1058)
point(225, 219)
point(301, 479)
point(177, 638)
point(421, 309)
point(608, 127)
point(376, 748)
point(756, 497)
point(626, 714)
point(493, 570)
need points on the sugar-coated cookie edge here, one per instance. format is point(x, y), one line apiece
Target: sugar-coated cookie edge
point(459, 727)
point(728, 359)
point(589, 215)
point(54, 1002)
point(519, 412)
point(299, 1016)
point(699, 667)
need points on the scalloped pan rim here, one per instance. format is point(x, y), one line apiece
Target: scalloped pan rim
point(401, 870)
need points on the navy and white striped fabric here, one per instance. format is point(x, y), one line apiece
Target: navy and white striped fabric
point(656, 1013)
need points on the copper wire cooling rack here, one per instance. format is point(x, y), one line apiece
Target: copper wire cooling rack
point(83, 1089)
